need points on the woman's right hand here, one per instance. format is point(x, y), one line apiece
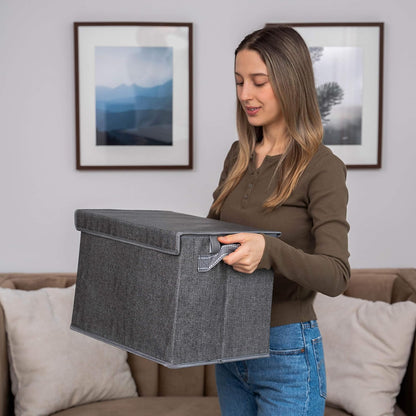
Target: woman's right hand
point(248, 256)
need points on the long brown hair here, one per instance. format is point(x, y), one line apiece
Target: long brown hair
point(290, 72)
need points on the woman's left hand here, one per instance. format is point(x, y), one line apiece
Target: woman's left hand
point(247, 257)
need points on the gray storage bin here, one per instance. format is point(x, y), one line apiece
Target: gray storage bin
point(153, 283)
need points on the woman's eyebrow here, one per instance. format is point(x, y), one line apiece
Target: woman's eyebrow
point(254, 75)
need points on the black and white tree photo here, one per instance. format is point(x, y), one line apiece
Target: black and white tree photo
point(339, 87)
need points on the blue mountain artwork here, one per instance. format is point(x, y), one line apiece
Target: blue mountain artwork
point(130, 115)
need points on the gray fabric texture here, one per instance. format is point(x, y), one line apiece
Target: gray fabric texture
point(160, 230)
point(157, 305)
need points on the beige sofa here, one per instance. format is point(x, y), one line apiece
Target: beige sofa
point(192, 391)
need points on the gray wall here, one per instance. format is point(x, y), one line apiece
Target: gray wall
point(40, 187)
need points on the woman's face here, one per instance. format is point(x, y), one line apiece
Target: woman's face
point(255, 92)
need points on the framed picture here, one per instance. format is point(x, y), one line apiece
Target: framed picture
point(348, 65)
point(133, 85)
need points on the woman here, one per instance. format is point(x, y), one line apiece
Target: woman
point(279, 176)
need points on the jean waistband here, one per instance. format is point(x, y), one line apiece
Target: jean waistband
point(309, 324)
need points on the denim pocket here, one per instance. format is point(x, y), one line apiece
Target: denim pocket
point(287, 340)
point(318, 352)
point(295, 351)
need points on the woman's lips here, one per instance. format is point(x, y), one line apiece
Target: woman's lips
point(252, 111)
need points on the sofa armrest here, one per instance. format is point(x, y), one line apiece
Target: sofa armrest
point(405, 289)
point(6, 400)
point(23, 281)
point(391, 285)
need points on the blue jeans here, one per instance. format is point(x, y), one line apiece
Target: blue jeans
point(291, 382)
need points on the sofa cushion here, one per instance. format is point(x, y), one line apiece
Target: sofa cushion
point(52, 367)
point(149, 406)
point(367, 346)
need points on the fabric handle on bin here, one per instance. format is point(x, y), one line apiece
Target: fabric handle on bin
point(218, 252)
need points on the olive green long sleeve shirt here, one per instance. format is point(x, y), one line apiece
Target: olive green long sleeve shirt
point(312, 253)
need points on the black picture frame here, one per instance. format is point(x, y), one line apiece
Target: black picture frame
point(133, 90)
point(348, 64)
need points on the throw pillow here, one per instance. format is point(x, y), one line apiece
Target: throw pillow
point(52, 367)
point(367, 346)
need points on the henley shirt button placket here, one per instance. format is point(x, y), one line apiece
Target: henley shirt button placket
point(252, 177)
point(247, 194)
point(244, 201)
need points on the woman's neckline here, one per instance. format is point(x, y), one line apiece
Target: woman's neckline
point(267, 159)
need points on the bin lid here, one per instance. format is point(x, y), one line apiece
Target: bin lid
point(159, 230)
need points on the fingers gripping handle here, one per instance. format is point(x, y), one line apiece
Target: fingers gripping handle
point(207, 262)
